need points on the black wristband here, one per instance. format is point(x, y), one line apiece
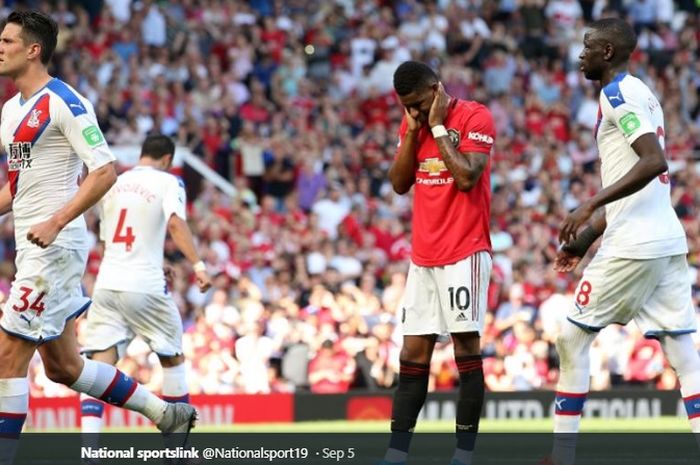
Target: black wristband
point(583, 241)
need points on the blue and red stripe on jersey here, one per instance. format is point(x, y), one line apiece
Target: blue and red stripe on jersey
point(692, 406)
point(40, 117)
point(11, 424)
point(92, 408)
point(119, 390)
point(568, 403)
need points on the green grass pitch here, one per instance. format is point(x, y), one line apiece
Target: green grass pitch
point(543, 425)
point(592, 425)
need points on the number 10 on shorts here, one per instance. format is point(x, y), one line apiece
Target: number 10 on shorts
point(459, 298)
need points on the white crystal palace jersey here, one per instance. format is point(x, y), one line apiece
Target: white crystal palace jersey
point(47, 138)
point(644, 224)
point(134, 215)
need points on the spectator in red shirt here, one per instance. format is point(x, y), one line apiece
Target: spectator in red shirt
point(331, 371)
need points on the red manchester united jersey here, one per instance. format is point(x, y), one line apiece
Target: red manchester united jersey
point(449, 225)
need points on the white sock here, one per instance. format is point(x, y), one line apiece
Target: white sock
point(175, 387)
point(14, 404)
point(105, 382)
point(91, 411)
point(683, 357)
point(574, 378)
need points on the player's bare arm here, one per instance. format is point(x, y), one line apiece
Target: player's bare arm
point(95, 185)
point(570, 254)
point(402, 173)
point(5, 199)
point(651, 164)
point(181, 234)
point(466, 168)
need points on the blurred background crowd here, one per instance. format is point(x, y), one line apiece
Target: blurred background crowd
point(292, 102)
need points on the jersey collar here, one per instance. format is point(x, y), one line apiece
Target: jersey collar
point(22, 101)
point(619, 77)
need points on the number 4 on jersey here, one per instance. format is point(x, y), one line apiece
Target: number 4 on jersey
point(123, 233)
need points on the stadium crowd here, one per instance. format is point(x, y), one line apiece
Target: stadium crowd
point(292, 102)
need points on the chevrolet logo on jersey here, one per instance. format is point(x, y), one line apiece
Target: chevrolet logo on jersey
point(432, 166)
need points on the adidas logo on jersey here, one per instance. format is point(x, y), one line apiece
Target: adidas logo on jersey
point(461, 317)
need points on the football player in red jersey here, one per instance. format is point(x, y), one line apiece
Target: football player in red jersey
point(443, 149)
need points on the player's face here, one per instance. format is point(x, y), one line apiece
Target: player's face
point(592, 57)
point(13, 50)
point(418, 103)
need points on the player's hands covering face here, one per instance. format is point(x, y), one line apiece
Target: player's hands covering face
point(438, 110)
point(413, 124)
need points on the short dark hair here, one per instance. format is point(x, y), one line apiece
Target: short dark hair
point(620, 33)
point(156, 146)
point(413, 75)
point(36, 27)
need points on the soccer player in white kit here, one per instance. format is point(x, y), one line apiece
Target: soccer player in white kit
point(49, 131)
point(131, 296)
point(640, 272)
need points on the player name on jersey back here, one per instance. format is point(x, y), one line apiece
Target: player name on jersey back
point(133, 222)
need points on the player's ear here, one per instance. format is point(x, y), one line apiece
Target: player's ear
point(34, 51)
point(609, 51)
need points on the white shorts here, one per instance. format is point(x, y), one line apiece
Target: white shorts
point(116, 317)
point(46, 292)
point(446, 299)
point(655, 293)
